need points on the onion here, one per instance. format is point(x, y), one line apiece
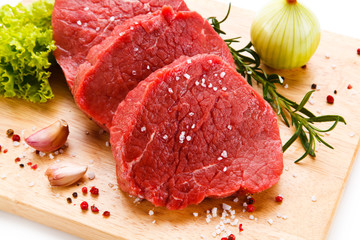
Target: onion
point(285, 34)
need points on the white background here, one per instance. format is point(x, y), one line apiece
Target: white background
point(337, 16)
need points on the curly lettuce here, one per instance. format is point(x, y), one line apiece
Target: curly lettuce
point(26, 47)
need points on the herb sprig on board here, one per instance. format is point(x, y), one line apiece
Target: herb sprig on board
point(247, 62)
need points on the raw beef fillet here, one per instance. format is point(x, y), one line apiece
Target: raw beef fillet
point(80, 24)
point(135, 50)
point(195, 129)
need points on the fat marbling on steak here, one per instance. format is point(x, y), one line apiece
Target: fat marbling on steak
point(135, 50)
point(195, 129)
point(80, 24)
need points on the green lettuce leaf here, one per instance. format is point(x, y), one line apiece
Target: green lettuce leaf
point(26, 47)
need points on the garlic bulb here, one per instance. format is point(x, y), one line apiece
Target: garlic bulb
point(285, 34)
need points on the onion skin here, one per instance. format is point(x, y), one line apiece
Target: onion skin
point(285, 34)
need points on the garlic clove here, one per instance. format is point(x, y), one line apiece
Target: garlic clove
point(50, 138)
point(65, 174)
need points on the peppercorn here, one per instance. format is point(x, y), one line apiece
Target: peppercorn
point(69, 200)
point(279, 198)
point(241, 228)
point(37, 152)
point(335, 92)
point(21, 165)
point(94, 191)
point(84, 206)
point(250, 208)
point(9, 132)
point(94, 209)
point(330, 99)
point(349, 86)
point(84, 190)
point(75, 194)
point(313, 86)
point(231, 237)
point(303, 67)
point(17, 159)
point(16, 138)
point(106, 214)
point(250, 201)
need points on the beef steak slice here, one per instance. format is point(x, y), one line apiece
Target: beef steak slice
point(195, 129)
point(135, 50)
point(80, 24)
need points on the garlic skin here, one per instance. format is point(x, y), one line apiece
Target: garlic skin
point(65, 174)
point(285, 34)
point(50, 138)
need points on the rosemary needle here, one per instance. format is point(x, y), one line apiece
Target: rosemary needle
point(292, 113)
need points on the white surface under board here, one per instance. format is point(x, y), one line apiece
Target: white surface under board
point(336, 16)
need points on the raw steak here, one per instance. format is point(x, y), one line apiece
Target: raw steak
point(80, 24)
point(195, 129)
point(135, 50)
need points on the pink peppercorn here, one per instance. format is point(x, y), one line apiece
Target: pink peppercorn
point(106, 214)
point(94, 209)
point(84, 206)
point(279, 198)
point(250, 208)
point(84, 190)
point(16, 138)
point(330, 99)
point(231, 237)
point(94, 191)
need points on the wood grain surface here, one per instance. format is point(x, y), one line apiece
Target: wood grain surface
point(26, 192)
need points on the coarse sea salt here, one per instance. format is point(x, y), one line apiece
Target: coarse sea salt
point(195, 214)
point(224, 154)
point(214, 212)
point(151, 212)
point(91, 175)
point(187, 76)
point(313, 198)
point(78, 22)
point(270, 221)
point(226, 206)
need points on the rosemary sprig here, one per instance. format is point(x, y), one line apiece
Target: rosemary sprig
point(292, 113)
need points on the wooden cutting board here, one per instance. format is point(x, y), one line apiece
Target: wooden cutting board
point(26, 192)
